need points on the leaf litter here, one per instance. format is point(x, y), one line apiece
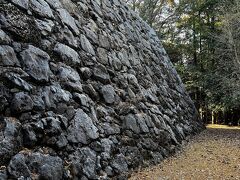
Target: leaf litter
point(212, 155)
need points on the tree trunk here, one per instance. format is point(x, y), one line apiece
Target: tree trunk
point(212, 117)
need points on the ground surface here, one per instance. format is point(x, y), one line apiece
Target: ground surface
point(213, 155)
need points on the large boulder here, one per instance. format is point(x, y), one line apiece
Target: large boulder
point(36, 63)
point(82, 129)
point(36, 165)
point(8, 56)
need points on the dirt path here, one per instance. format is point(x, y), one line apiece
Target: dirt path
point(213, 155)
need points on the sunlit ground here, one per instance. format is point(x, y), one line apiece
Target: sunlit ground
point(212, 155)
point(216, 126)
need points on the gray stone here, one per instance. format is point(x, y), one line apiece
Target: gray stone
point(133, 80)
point(22, 3)
point(91, 35)
point(134, 58)
point(148, 143)
point(21, 102)
point(55, 4)
point(117, 2)
point(73, 86)
point(30, 137)
point(84, 160)
point(17, 167)
point(67, 19)
point(131, 94)
point(107, 145)
point(82, 129)
point(41, 8)
point(83, 100)
point(157, 157)
point(89, 89)
point(148, 121)
point(10, 138)
point(62, 141)
point(119, 164)
point(108, 94)
point(51, 167)
point(18, 81)
point(59, 95)
point(50, 96)
point(172, 134)
point(103, 56)
point(48, 167)
point(45, 26)
point(52, 126)
point(3, 103)
point(67, 54)
point(151, 96)
point(86, 72)
point(111, 129)
point(4, 38)
point(96, 6)
point(35, 63)
point(104, 42)
point(38, 103)
point(3, 173)
point(130, 123)
point(142, 124)
point(66, 73)
point(100, 73)
point(19, 23)
point(69, 38)
point(86, 45)
point(8, 56)
point(115, 62)
point(102, 111)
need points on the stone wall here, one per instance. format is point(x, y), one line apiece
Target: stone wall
point(86, 91)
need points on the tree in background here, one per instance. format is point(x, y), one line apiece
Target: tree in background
point(202, 39)
point(224, 80)
point(155, 12)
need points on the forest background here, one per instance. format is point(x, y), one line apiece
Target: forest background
point(202, 39)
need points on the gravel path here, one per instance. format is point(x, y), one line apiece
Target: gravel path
point(213, 155)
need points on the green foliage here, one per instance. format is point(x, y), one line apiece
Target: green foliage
point(202, 38)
